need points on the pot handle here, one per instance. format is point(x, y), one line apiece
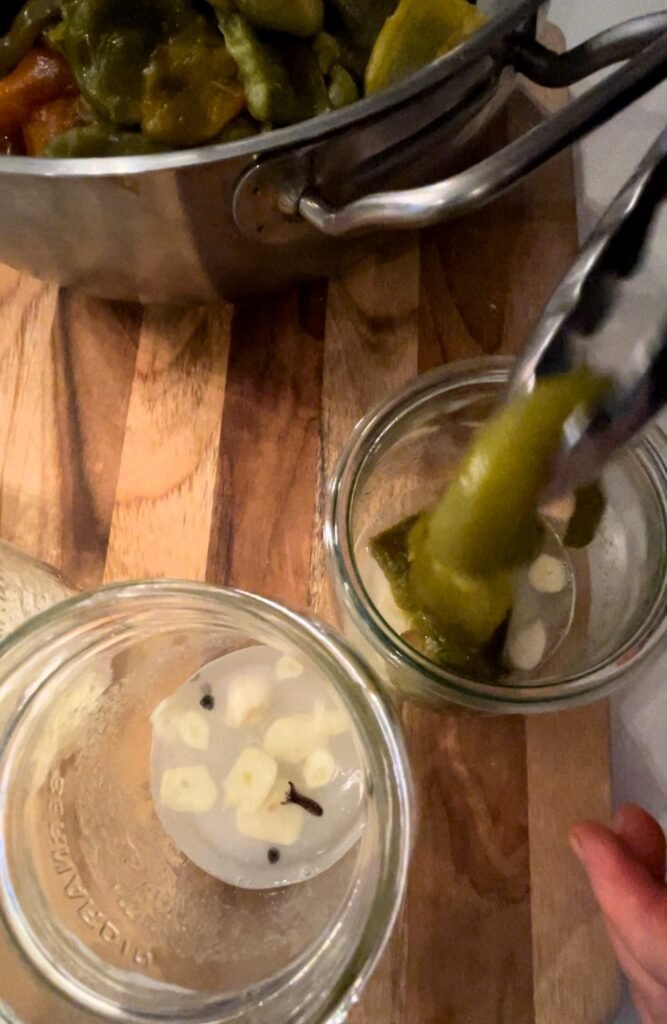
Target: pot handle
point(472, 188)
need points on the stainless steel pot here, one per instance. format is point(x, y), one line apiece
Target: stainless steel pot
point(253, 215)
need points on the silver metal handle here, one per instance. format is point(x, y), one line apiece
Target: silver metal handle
point(621, 42)
point(574, 319)
point(472, 188)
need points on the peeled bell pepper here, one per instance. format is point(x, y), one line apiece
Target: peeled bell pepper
point(108, 43)
point(190, 89)
point(417, 33)
point(26, 28)
point(41, 76)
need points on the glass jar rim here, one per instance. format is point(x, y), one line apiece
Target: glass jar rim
point(379, 728)
point(531, 696)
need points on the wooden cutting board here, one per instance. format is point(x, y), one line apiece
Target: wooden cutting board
point(196, 442)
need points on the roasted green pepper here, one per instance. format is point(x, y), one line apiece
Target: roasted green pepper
point(281, 85)
point(108, 43)
point(190, 89)
point(363, 20)
point(163, 66)
point(296, 17)
point(100, 140)
point(486, 521)
point(417, 33)
point(468, 638)
point(268, 90)
point(453, 574)
point(26, 28)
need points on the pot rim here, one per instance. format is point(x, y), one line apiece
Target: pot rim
point(306, 132)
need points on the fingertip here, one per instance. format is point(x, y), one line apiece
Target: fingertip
point(585, 837)
point(633, 901)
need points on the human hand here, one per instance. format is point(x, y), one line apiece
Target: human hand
point(626, 869)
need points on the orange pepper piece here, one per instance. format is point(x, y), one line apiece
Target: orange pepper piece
point(41, 76)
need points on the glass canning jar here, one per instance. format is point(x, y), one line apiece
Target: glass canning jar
point(399, 459)
point(27, 587)
point(100, 916)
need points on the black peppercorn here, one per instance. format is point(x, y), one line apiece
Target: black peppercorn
point(273, 855)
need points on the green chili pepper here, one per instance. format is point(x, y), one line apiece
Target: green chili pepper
point(450, 566)
point(108, 44)
point(100, 140)
point(486, 521)
point(26, 28)
point(282, 84)
point(296, 17)
point(190, 89)
point(417, 33)
point(268, 90)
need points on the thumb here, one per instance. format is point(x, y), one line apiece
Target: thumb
point(632, 900)
point(643, 837)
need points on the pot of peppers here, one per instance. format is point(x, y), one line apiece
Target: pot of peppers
point(184, 150)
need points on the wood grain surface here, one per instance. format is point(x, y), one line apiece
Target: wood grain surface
point(196, 443)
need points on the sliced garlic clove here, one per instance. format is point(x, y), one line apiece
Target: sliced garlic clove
point(334, 723)
point(194, 730)
point(330, 721)
point(548, 574)
point(319, 768)
point(288, 667)
point(250, 780)
point(188, 789)
point(292, 738)
point(275, 822)
point(526, 647)
point(247, 701)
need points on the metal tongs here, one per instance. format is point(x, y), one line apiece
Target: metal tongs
point(575, 318)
